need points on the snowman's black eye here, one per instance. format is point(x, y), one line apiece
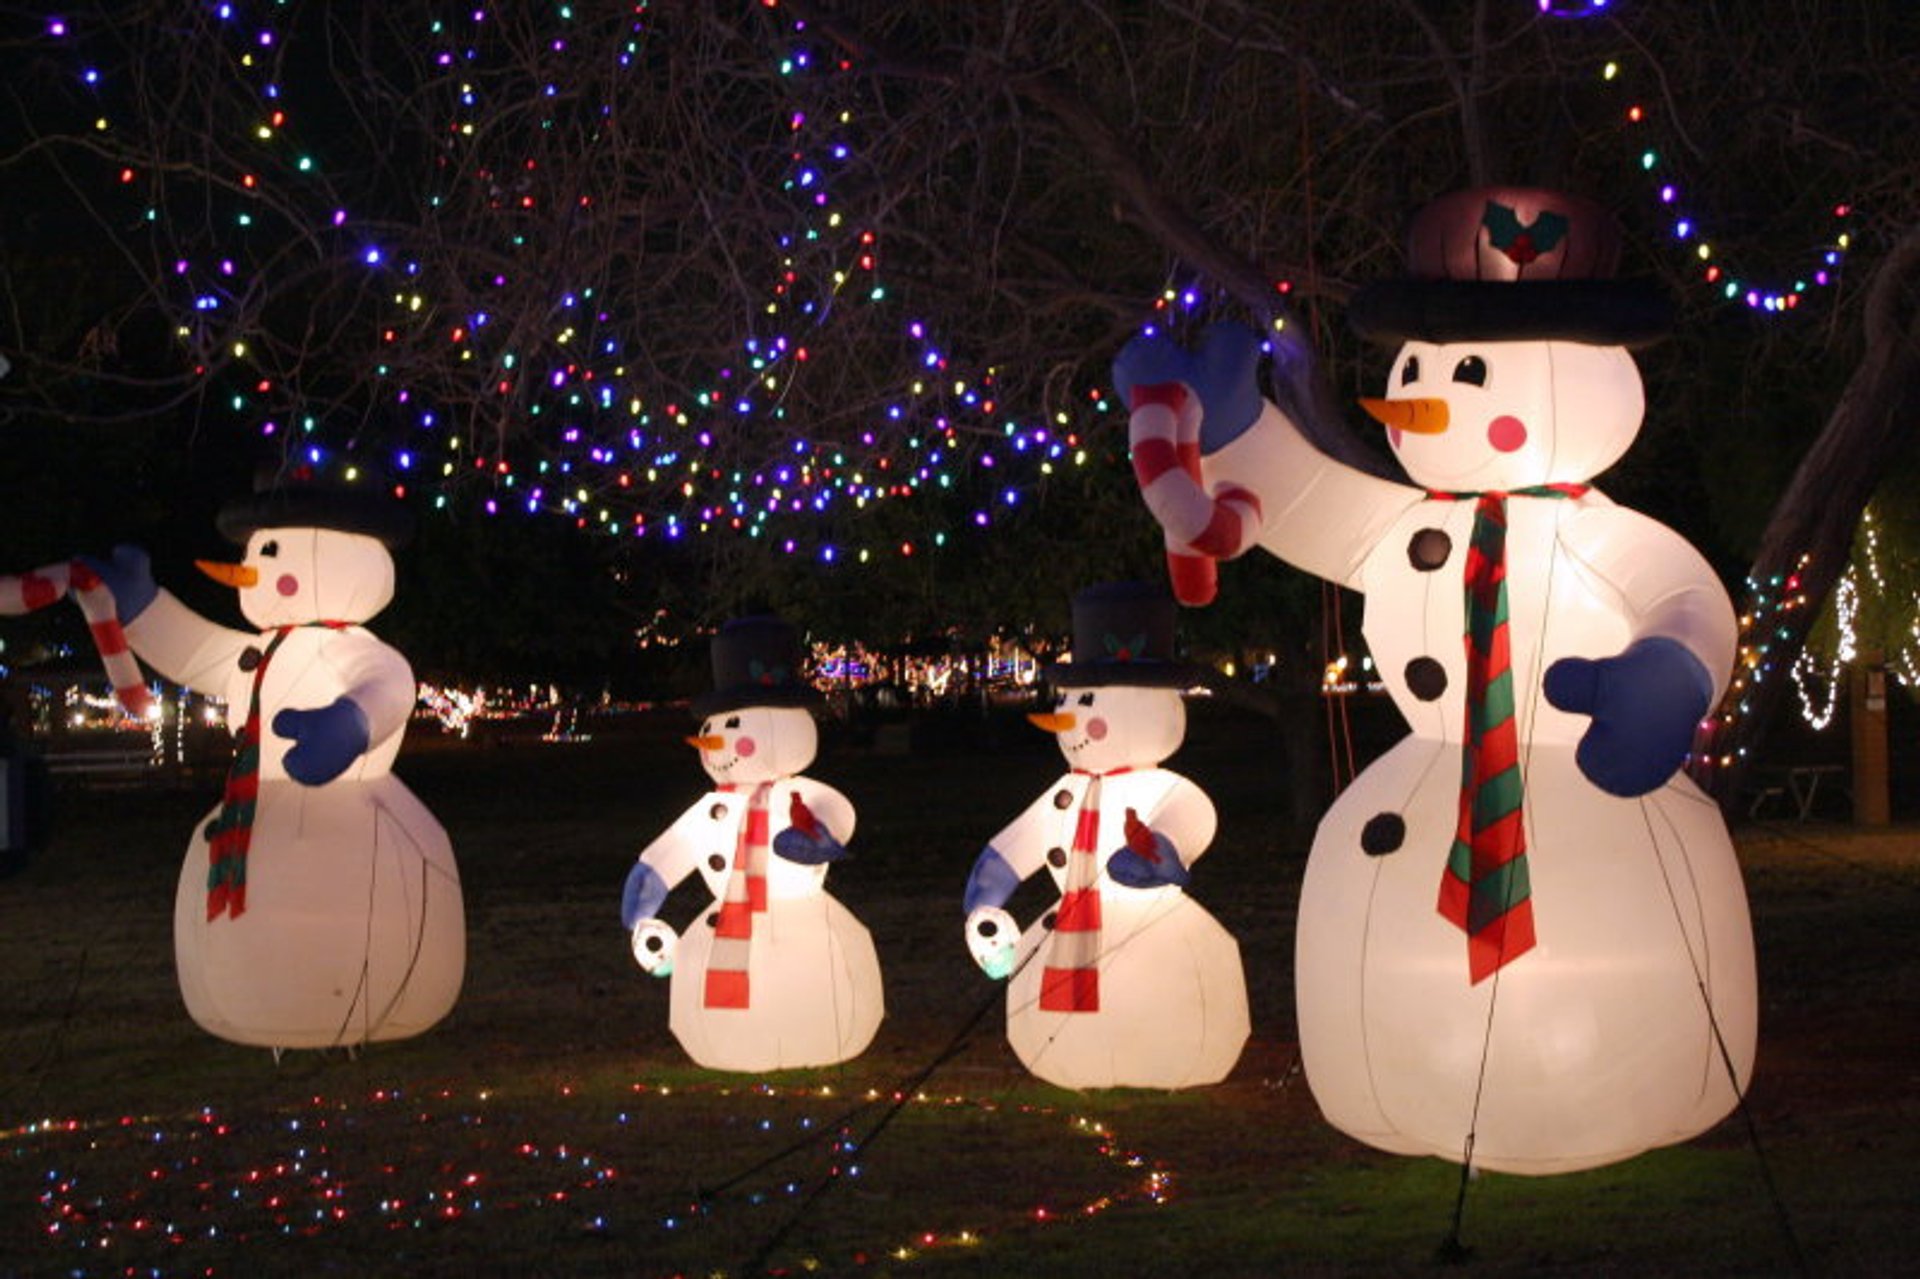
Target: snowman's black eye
point(733, 721)
point(269, 549)
point(1410, 371)
point(1086, 699)
point(1472, 370)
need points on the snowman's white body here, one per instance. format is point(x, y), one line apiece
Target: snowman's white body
point(813, 975)
point(354, 929)
point(1172, 995)
point(1632, 1022)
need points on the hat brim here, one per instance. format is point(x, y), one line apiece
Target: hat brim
point(1627, 313)
point(740, 697)
point(375, 515)
point(1142, 674)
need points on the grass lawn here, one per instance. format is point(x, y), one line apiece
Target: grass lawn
point(552, 1126)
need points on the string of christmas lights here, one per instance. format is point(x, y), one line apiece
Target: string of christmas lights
point(1902, 630)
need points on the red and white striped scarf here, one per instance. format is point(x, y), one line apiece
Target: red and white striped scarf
point(746, 894)
point(1070, 980)
point(26, 592)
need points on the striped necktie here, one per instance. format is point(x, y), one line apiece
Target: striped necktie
point(746, 893)
point(231, 833)
point(1485, 890)
point(1070, 980)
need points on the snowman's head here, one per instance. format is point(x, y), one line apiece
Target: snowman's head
point(1477, 417)
point(1104, 727)
point(756, 743)
point(291, 576)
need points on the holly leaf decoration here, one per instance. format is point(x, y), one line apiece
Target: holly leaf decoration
point(1522, 243)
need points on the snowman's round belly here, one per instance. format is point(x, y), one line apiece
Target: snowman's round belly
point(353, 928)
point(1592, 1045)
point(813, 994)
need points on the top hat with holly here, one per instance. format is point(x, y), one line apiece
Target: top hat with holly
point(1513, 264)
point(301, 501)
point(756, 662)
point(1123, 635)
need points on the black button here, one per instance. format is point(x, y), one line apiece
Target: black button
point(1383, 834)
point(1056, 857)
point(1063, 799)
point(212, 829)
point(250, 658)
point(717, 811)
point(1426, 678)
point(717, 862)
point(655, 941)
point(1429, 549)
point(987, 928)
point(713, 920)
point(1046, 920)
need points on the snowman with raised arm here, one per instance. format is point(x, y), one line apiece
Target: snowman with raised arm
point(319, 903)
point(1523, 942)
point(778, 974)
point(1126, 981)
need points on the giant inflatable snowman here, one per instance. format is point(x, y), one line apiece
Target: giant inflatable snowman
point(1523, 941)
point(778, 974)
point(1127, 981)
point(319, 903)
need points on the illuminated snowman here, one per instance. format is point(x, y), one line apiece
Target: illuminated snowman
point(1126, 981)
point(1523, 941)
point(777, 974)
point(319, 903)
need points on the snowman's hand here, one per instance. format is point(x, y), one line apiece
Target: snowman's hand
point(642, 895)
point(1222, 373)
point(654, 942)
point(128, 576)
point(993, 939)
point(808, 847)
point(326, 740)
point(1148, 860)
point(1645, 703)
point(991, 883)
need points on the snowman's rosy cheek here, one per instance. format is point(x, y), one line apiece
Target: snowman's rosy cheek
point(287, 584)
point(745, 748)
point(1097, 729)
point(1394, 436)
point(1507, 434)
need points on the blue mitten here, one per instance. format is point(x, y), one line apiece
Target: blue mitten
point(642, 895)
point(326, 740)
point(1645, 703)
point(809, 849)
point(129, 577)
point(1223, 373)
point(1148, 860)
point(992, 882)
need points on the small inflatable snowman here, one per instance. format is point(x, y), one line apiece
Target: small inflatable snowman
point(1523, 941)
point(778, 974)
point(1127, 981)
point(319, 903)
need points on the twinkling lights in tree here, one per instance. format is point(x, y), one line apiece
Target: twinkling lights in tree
point(1866, 581)
point(1773, 614)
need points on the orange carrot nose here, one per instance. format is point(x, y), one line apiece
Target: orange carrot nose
point(1055, 723)
point(712, 742)
point(1420, 416)
point(238, 576)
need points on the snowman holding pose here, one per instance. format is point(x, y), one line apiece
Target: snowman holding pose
point(1127, 981)
point(1523, 941)
point(778, 974)
point(319, 903)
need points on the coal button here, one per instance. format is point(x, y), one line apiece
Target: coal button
point(1429, 549)
point(1383, 834)
point(1056, 857)
point(1426, 678)
point(250, 658)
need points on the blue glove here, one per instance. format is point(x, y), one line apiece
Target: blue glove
point(129, 577)
point(809, 849)
point(1148, 859)
point(1645, 704)
point(642, 895)
point(992, 882)
point(1223, 373)
point(326, 740)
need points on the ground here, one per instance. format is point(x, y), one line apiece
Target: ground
point(551, 1125)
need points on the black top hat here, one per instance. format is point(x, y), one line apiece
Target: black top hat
point(1512, 263)
point(302, 502)
point(756, 662)
point(1123, 634)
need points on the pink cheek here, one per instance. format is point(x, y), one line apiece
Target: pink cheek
point(1507, 434)
point(745, 748)
point(287, 584)
point(1394, 436)
point(1096, 729)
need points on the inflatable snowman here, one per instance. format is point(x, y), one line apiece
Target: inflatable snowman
point(778, 974)
point(319, 903)
point(1127, 981)
point(1523, 940)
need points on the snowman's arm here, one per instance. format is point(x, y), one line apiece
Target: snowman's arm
point(185, 647)
point(375, 678)
point(1665, 588)
point(1011, 856)
point(662, 864)
point(832, 816)
point(1185, 817)
point(1315, 513)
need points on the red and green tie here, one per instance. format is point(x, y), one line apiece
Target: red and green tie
point(231, 833)
point(1485, 890)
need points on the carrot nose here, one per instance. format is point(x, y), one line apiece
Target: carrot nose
point(1420, 416)
point(712, 742)
point(1051, 723)
point(238, 576)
